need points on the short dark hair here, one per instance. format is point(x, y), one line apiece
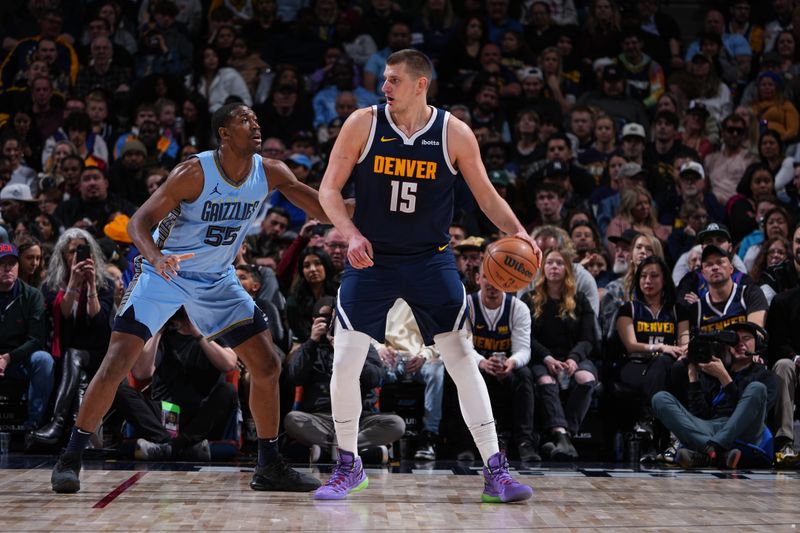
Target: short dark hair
point(77, 121)
point(77, 158)
point(418, 63)
point(278, 210)
point(222, 116)
point(253, 271)
point(549, 186)
point(556, 136)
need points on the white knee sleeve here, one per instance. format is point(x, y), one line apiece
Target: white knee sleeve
point(472, 394)
point(349, 353)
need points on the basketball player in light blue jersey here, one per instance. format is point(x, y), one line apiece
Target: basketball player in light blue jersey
point(404, 157)
point(203, 212)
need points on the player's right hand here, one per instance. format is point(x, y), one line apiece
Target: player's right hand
point(168, 265)
point(359, 252)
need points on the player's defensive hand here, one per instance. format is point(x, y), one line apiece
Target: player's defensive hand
point(168, 265)
point(359, 252)
point(522, 234)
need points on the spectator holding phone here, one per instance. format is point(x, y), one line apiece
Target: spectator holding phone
point(79, 298)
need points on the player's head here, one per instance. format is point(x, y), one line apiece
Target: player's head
point(408, 75)
point(236, 126)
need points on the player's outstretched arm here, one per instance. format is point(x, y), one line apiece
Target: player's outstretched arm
point(344, 156)
point(185, 182)
point(296, 191)
point(463, 147)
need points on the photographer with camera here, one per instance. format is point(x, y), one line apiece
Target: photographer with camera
point(725, 302)
point(311, 367)
point(729, 397)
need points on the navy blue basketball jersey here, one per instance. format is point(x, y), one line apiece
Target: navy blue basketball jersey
point(491, 337)
point(710, 319)
point(654, 329)
point(404, 186)
point(213, 226)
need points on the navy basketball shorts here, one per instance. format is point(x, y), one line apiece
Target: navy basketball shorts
point(215, 302)
point(429, 283)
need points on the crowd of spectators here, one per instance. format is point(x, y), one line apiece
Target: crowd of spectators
point(658, 171)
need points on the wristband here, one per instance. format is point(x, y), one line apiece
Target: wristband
point(73, 290)
point(91, 295)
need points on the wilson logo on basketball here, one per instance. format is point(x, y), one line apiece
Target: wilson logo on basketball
point(516, 265)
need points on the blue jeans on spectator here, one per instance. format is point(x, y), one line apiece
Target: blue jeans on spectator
point(431, 374)
point(746, 423)
point(38, 371)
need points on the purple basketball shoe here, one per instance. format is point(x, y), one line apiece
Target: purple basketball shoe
point(499, 486)
point(348, 476)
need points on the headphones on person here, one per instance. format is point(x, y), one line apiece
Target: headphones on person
point(762, 340)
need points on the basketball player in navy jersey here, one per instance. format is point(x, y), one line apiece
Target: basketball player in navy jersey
point(404, 156)
point(205, 208)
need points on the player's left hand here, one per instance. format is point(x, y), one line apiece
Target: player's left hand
point(522, 234)
point(359, 251)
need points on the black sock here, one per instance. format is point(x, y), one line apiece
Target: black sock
point(78, 441)
point(267, 451)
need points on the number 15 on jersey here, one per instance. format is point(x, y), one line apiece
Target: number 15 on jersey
point(403, 196)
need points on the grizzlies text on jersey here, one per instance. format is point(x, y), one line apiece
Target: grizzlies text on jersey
point(404, 185)
point(214, 225)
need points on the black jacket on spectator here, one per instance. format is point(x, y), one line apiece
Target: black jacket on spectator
point(22, 321)
point(311, 367)
point(83, 332)
point(783, 319)
point(99, 213)
point(573, 338)
point(703, 391)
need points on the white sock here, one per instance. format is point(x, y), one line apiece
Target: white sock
point(472, 394)
point(349, 354)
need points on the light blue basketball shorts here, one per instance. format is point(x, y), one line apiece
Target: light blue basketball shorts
point(216, 303)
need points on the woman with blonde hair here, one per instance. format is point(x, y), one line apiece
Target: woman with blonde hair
point(557, 87)
point(636, 212)
point(564, 339)
point(52, 167)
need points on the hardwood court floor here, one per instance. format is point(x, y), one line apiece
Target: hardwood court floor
point(184, 497)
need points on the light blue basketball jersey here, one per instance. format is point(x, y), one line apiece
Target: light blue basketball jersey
point(213, 226)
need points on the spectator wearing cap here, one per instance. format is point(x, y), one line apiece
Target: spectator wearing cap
point(629, 175)
point(340, 81)
point(692, 284)
point(725, 166)
point(771, 106)
point(346, 103)
point(470, 257)
point(300, 165)
point(661, 154)
point(612, 99)
point(690, 186)
point(127, 177)
point(634, 142)
point(644, 76)
point(534, 97)
point(94, 205)
point(17, 206)
point(734, 45)
point(23, 327)
point(694, 134)
point(124, 251)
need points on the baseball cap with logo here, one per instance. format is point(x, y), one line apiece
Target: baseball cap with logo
point(7, 250)
point(499, 177)
point(712, 249)
point(471, 243)
point(555, 168)
point(631, 170)
point(693, 167)
point(714, 229)
point(628, 236)
point(612, 73)
point(17, 191)
point(633, 129)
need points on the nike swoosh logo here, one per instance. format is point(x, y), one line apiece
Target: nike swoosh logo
point(442, 247)
point(386, 140)
point(479, 326)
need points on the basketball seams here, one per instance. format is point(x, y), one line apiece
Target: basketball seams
point(506, 270)
point(503, 276)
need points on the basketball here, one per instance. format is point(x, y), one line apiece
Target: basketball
point(510, 264)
